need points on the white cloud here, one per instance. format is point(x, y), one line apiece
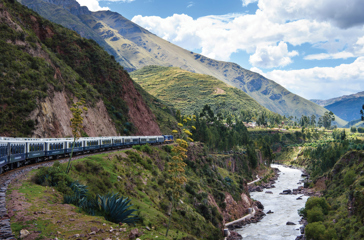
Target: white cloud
point(322, 56)
point(266, 56)
point(247, 2)
point(257, 70)
point(322, 82)
point(190, 4)
point(92, 5)
point(344, 14)
point(220, 36)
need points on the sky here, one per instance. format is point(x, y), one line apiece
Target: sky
point(314, 48)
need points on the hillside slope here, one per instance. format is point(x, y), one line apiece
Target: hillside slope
point(346, 107)
point(141, 48)
point(44, 67)
point(189, 92)
point(344, 193)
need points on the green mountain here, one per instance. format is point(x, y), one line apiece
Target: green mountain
point(137, 47)
point(44, 67)
point(189, 92)
point(346, 107)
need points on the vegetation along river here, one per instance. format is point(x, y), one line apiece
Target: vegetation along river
point(284, 207)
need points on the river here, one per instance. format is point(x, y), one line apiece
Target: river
point(273, 226)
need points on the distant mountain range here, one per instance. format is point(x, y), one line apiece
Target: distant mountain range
point(134, 47)
point(346, 107)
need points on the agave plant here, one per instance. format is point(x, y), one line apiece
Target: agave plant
point(115, 208)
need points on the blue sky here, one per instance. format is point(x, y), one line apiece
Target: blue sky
point(314, 48)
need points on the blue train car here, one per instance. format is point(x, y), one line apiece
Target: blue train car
point(135, 140)
point(143, 140)
point(152, 139)
point(117, 142)
point(35, 150)
point(106, 143)
point(127, 141)
point(160, 139)
point(17, 153)
point(76, 149)
point(55, 148)
point(91, 144)
point(4, 154)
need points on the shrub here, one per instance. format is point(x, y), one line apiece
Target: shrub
point(146, 148)
point(54, 176)
point(349, 177)
point(167, 148)
point(115, 208)
point(315, 215)
point(315, 231)
point(317, 201)
point(137, 147)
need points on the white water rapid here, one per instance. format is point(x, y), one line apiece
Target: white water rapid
point(273, 226)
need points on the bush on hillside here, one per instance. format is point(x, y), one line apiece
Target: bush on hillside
point(54, 176)
point(315, 215)
point(349, 177)
point(317, 202)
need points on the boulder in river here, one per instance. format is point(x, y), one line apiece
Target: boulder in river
point(269, 192)
point(288, 191)
point(269, 212)
point(290, 223)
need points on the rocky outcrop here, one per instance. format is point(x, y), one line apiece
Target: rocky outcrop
point(53, 114)
point(236, 209)
point(139, 112)
point(268, 185)
point(254, 218)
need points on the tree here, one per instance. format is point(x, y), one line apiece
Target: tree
point(208, 113)
point(76, 124)
point(177, 173)
point(177, 165)
point(313, 120)
point(362, 113)
point(252, 156)
point(327, 118)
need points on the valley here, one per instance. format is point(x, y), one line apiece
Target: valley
point(223, 129)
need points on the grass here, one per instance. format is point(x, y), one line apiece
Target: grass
point(189, 92)
point(137, 176)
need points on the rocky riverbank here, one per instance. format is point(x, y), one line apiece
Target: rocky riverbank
point(257, 206)
point(268, 185)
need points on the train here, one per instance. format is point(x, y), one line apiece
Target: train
point(16, 152)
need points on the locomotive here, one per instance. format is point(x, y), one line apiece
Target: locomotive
point(16, 152)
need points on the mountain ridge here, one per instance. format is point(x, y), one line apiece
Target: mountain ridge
point(346, 107)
